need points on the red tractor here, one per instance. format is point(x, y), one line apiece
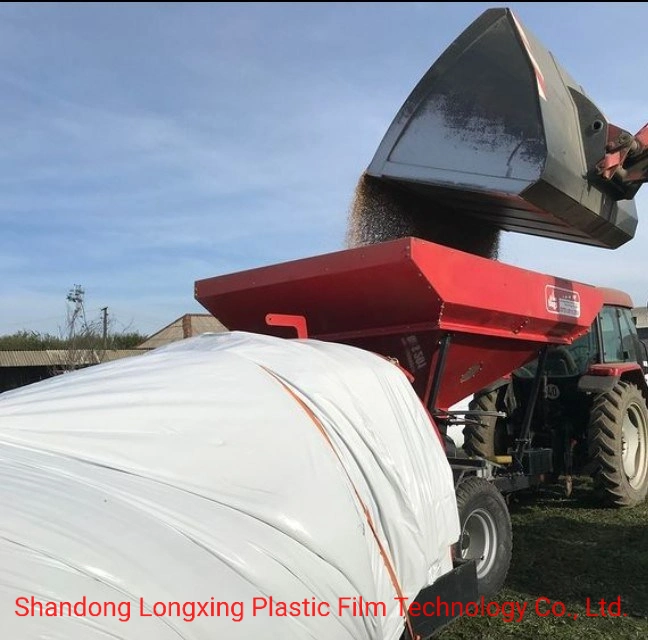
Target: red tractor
point(591, 409)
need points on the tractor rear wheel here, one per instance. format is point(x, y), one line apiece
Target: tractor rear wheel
point(486, 436)
point(486, 535)
point(618, 445)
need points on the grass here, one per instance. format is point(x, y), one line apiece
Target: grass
point(569, 550)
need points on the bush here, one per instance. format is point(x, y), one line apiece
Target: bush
point(34, 341)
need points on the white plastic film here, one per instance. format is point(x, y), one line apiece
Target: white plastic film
point(231, 469)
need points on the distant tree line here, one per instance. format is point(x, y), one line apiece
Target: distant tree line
point(88, 339)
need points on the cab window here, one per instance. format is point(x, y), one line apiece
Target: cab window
point(628, 336)
point(611, 334)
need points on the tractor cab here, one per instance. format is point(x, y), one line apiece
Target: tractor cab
point(612, 340)
point(575, 382)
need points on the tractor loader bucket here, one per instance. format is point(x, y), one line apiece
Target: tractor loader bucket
point(497, 131)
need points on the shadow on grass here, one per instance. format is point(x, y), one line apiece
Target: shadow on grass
point(553, 495)
point(569, 550)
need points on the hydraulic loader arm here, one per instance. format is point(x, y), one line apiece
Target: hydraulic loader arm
point(626, 160)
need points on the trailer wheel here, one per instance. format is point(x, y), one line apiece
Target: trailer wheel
point(486, 437)
point(486, 535)
point(618, 445)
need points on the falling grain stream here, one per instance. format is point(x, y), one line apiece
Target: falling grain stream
point(380, 212)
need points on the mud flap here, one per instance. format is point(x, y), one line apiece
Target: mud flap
point(457, 587)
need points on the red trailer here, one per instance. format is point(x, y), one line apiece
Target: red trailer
point(455, 321)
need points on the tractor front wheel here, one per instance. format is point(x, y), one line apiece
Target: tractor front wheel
point(485, 436)
point(618, 445)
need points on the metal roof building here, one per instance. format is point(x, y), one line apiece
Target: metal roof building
point(62, 357)
point(187, 326)
point(18, 368)
point(640, 314)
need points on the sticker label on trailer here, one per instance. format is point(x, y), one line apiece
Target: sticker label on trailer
point(414, 353)
point(562, 302)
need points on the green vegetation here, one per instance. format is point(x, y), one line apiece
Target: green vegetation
point(569, 550)
point(33, 341)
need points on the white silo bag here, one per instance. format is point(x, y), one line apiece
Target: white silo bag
point(194, 491)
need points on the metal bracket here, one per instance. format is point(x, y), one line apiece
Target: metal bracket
point(283, 320)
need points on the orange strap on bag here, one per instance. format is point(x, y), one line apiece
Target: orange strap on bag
point(383, 552)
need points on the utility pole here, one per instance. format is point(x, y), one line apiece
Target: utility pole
point(75, 334)
point(104, 311)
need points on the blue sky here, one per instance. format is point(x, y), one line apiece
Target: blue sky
point(145, 146)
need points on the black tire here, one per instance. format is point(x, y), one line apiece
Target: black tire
point(616, 417)
point(486, 437)
point(486, 534)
